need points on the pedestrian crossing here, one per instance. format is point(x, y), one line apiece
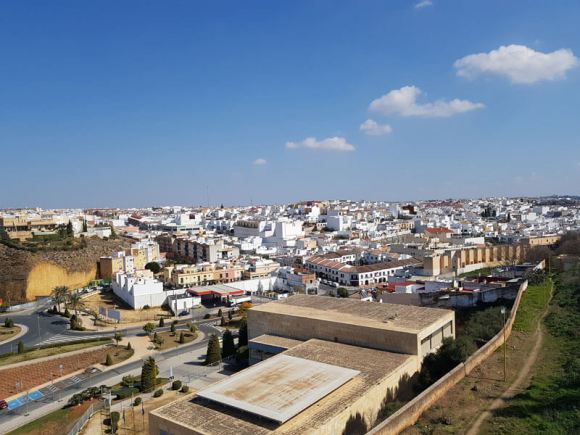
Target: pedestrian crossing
point(64, 338)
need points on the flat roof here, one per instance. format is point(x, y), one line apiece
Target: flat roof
point(279, 388)
point(276, 341)
point(205, 416)
point(392, 317)
point(217, 289)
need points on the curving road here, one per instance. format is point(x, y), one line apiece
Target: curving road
point(44, 327)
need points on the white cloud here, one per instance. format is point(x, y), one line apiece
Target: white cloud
point(518, 62)
point(423, 4)
point(259, 162)
point(372, 128)
point(328, 144)
point(404, 102)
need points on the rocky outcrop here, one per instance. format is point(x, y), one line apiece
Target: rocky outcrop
point(26, 275)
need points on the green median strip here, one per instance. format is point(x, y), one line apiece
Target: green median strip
point(51, 350)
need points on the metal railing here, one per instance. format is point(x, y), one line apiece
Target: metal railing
point(83, 419)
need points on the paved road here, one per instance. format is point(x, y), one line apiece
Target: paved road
point(185, 370)
point(44, 329)
point(41, 326)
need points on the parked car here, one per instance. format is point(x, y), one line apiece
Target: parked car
point(3, 404)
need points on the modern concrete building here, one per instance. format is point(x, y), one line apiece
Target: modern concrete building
point(316, 363)
point(394, 328)
point(314, 387)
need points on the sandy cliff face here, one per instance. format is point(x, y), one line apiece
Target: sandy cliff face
point(26, 275)
point(45, 276)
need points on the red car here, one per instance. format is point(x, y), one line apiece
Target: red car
point(3, 404)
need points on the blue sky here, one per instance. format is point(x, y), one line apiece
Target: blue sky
point(134, 103)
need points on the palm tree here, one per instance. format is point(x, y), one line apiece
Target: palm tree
point(76, 302)
point(60, 295)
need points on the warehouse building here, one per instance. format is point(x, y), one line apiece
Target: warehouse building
point(316, 362)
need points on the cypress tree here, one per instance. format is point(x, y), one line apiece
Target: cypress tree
point(129, 346)
point(213, 353)
point(161, 322)
point(20, 347)
point(109, 360)
point(69, 229)
point(148, 375)
point(228, 346)
point(243, 337)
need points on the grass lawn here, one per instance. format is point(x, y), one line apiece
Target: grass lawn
point(8, 333)
point(56, 423)
point(40, 353)
point(533, 303)
point(120, 353)
point(550, 404)
point(171, 341)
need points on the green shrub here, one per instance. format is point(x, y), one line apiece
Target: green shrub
point(8, 323)
point(206, 316)
point(149, 328)
point(158, 393)
point(126, 392)
point(75, 400)
point(109, 360)
point(435, 365)
point(185, 389)
point(137, 401)
point(128, 381)
point(20, 347)
point(176, 385)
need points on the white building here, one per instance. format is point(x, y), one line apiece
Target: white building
point(138, 290)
